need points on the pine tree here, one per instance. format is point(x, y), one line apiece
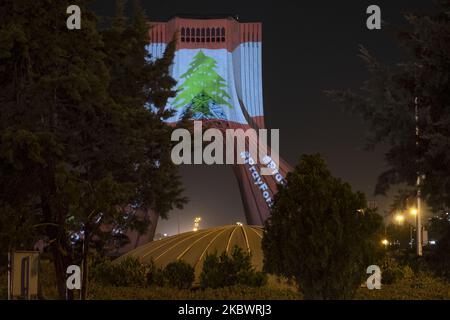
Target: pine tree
point(202, 86)
point(387, 101)
point(53, 97)
point(77, 144)
point(143, 162)
point(320, 233)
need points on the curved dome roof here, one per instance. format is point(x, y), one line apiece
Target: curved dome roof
point(193, 246)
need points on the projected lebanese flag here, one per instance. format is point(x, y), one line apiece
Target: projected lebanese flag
point(217, 66)
point(218, 69)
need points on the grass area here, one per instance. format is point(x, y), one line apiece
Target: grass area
point(420, 286)
point(159, 293)
point(276, 289)
point(424, 288)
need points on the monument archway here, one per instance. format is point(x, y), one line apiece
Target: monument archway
point(218, 69)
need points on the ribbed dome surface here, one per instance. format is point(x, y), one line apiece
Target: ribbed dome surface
point(192, 247)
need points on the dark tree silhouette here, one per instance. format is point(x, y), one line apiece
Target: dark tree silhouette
point(320, 233)
point(77, 142)
point(387, 103)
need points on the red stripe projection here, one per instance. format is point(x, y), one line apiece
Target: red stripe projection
point(206, 33)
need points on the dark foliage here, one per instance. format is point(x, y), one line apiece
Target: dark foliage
point(78, 140)
point(387, 103)
point(179, 274)
point(128, 273)
point(320, 233)
point(224, 270)
point(439, 258)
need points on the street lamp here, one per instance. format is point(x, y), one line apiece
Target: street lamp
point(420, 176)
point(385, 242)
point(196, 223)
point(413, 212)
point(418, 181)
point(400, 218)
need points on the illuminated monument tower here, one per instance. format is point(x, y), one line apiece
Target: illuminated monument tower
point(218, 68)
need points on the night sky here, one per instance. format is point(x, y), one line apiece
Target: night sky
point(308, 47)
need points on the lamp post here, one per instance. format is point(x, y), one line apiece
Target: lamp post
point(418, 67)
point(413, 212)
point(418, 184)
point(197, 223)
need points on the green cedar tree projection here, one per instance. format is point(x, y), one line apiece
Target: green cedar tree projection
point(202, 87)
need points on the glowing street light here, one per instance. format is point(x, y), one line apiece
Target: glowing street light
point(196, 223)
point(385, 242)
point(413, 211)
point(400, 218)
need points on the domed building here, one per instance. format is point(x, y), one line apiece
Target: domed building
point(192, 247)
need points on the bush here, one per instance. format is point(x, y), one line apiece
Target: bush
point(130, 272)
point(253, 279)
point(179, 274)
point(221, 271)
point(391, 275)
point(3, 285)
point(100, 270)
point(158, 278)
point(422, 286)
point(216, 271)
point(320, 233)
point(392, 271)
point(155, 276)
point(47, 281)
